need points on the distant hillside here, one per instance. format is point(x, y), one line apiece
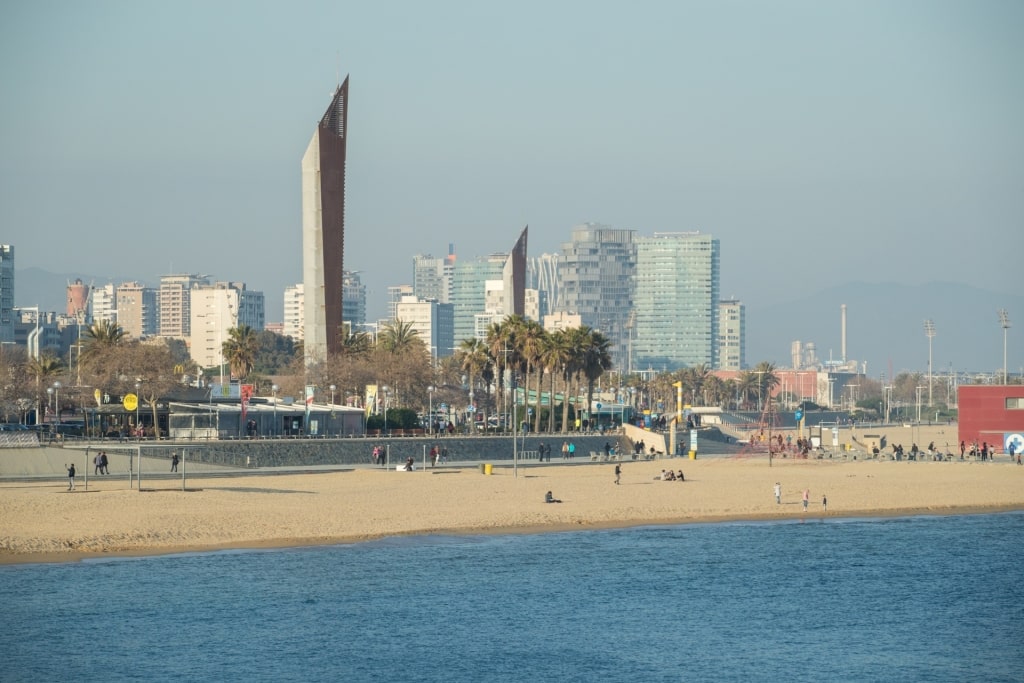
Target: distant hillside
point(885, 322)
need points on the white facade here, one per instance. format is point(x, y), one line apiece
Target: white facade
point(433, 322)
point(215, 310)
point(294, 312)
point(103, 304)
point(732, 335)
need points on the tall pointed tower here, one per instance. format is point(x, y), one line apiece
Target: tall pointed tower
point(323, 229)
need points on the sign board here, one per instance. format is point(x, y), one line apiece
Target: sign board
point(130, 402)
point(799, 415)
point(835, 436)
point(1013, 440)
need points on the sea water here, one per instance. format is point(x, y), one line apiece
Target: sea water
point(899, 599)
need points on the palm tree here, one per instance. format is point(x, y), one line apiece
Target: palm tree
point(596, 360)
point(240, 350)
point(767, 380)
point(397, 336)
point(43, 369)
point(555, 357)
point(102, 334)
point(531, 348)
point(475, 361)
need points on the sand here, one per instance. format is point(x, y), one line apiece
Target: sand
point(43, 522)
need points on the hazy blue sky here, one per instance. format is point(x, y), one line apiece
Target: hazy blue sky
point(822, 142)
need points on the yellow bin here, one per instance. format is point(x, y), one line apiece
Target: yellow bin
point(693, 455)
point(488, 468)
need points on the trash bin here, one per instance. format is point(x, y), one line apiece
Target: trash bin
point(488, 468)
point(693, 455)
point(482, 469)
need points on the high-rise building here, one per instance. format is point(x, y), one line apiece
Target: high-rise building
point(732, 335)
point(542, 274)
point(432, 321)
point(595, 281)
point(136, 309)
point(294, 312)
point(175, 299)
point(215, 310)
point(432, 277)
point(6, 293)
point(469, 292)
point(676, 301)
point(323, 230)
point(354, 297)
point(397, 293)
point(103, 304)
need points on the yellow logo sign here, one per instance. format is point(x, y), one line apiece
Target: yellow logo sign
point(130, 402)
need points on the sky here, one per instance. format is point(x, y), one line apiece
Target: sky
point(820, 142)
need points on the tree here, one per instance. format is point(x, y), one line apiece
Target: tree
point(102, 334)
point(555, 357)
point(397, 336)
point(240, 349)
point(595, 361)
point(474, 359)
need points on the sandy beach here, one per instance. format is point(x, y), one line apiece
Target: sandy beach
point(43, 522)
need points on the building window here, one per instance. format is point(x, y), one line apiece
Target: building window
point(1015, 403)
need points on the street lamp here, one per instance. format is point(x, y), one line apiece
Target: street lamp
point(56, 396)
point(929, 330)
point(138, 400)
point(430, 418)
point(385, 390)
point(49, 399)
point(1004, 322)
point(333, 389)
point(273, 390)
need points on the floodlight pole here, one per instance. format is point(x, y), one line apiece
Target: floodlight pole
point(929, 330)
point(1004, 322)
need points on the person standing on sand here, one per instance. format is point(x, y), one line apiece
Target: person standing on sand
point(778, 493)
point(174, 461)
point(618, 472)
point(565, 450)
point(71, 476)
point(824, 503)
point(807, 498)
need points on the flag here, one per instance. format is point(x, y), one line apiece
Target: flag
point(310, 392)
point(247, 392)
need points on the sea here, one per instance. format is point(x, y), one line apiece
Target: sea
point(930, 598)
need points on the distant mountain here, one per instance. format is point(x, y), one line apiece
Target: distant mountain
point(885, 324)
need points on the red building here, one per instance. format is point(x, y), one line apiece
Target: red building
point(992, 414)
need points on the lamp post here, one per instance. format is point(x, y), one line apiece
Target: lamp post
point(273, 390)
point(333, 389)
point(385, 390)
point(56, 399)
point(430, 414)
point(929, 330)
point(1004, 322)
point(138, 400)
point(49, 399)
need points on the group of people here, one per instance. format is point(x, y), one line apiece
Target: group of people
point(100, 463)
point(543, 450)
point(568, 450)
point(438, 455)
point(669, 475)
point(805, 498)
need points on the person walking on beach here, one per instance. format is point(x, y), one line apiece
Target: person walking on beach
point(104, 463)
point(618, 472)
point(807, 498)
point(174, 462)
point(71, 476)
point(778, 493)
point(96, 463)
point(565, 450)
point(824, 503)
